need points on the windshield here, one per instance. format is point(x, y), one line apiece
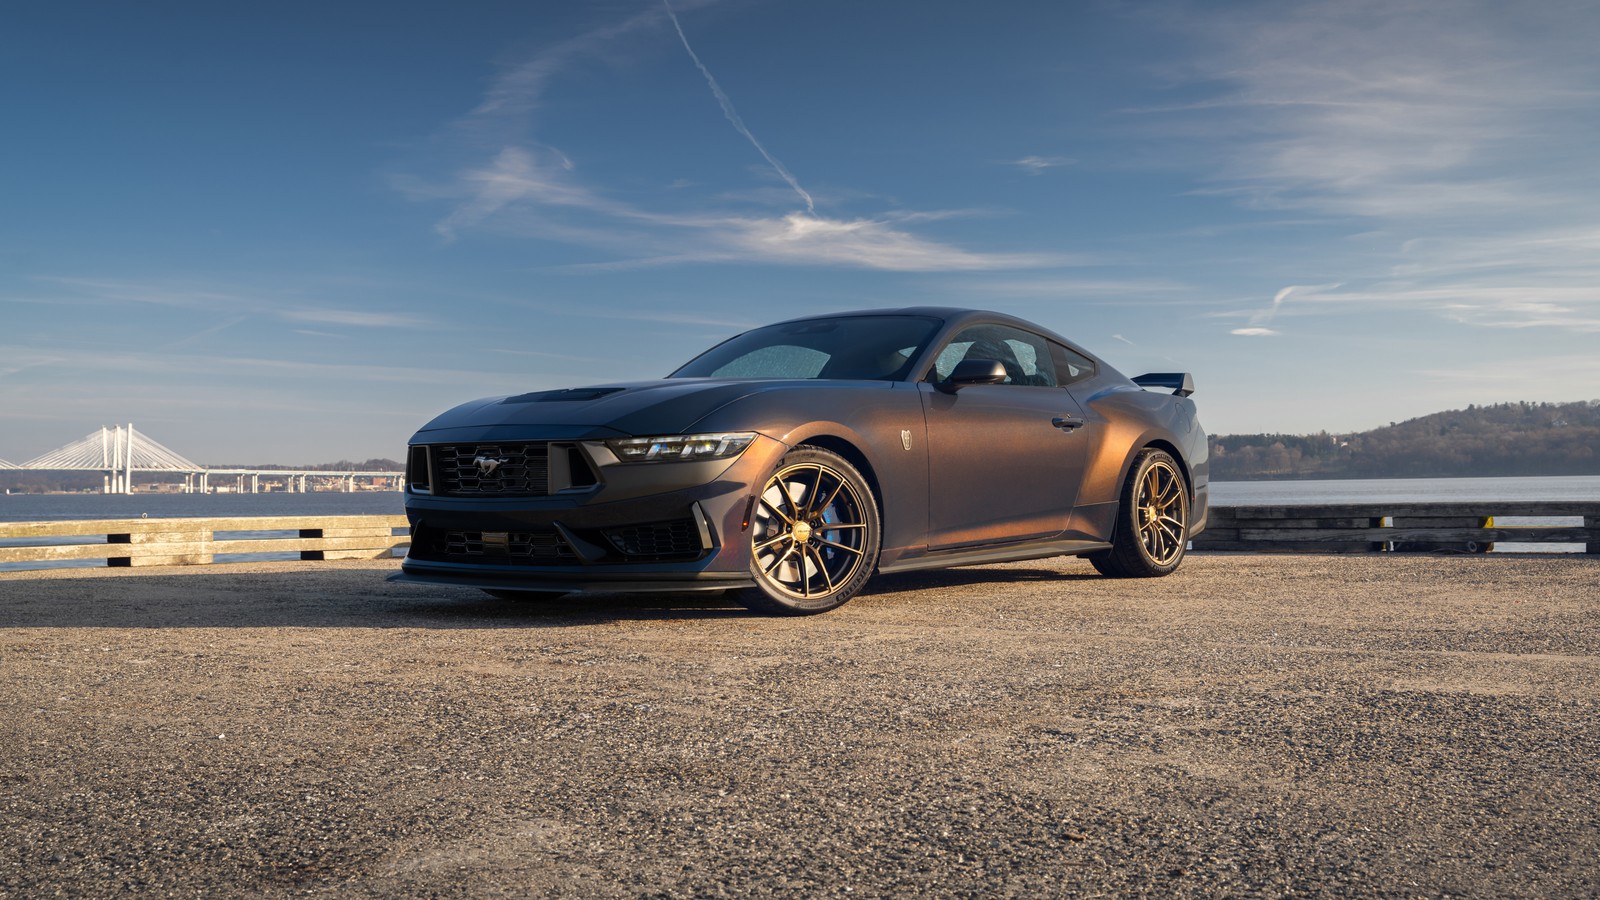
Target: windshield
point(846, 348)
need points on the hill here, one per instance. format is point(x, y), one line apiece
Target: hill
point(1503, 439)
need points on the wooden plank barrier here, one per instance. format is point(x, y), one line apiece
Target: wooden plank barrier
point(184, 542)
point(1396, 527)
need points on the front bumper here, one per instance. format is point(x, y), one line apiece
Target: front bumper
point(645, 527)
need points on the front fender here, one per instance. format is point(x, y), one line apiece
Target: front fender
point(884, 435)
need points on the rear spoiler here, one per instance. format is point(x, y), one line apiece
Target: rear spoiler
point(1182, 383)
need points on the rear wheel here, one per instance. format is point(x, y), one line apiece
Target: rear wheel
point(1152, 528)
point(814, 535)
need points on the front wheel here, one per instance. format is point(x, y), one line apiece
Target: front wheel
point(1152, 528)
point(814, 535)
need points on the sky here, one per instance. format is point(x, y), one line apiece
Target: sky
point(294, 232)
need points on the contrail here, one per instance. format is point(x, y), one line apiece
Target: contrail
point(733, 114)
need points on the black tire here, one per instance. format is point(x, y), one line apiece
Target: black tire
point(526, 596)
point(814, 535)
point(1152, 528)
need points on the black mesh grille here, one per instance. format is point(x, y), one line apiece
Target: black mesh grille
point(505, 470)
point(530, 547)
point(658, 539)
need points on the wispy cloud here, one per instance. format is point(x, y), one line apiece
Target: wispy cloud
point(1036, 165)
point(1260, 319)
point(1389, 108)
point(525, 187)
point(356, 318)
point(230, 369)
point(1055, 287)
point(1510, 305)
point(521, 188)
point(1462, 139)
point(235, 303)
point(732, 114)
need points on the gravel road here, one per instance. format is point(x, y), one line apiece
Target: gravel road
point(1253, 725)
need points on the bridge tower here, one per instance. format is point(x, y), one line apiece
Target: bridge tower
point(117, 452)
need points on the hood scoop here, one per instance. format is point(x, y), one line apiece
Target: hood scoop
point(570, 395)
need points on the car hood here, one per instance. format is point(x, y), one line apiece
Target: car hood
point(666, 406)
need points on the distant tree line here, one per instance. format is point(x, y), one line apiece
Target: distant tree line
point(24, 481)
point(1503, 439)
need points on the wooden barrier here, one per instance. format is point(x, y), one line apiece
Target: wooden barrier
point(1395, 527)
point(184, 542)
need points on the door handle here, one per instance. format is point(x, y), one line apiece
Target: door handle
point(1067, 423)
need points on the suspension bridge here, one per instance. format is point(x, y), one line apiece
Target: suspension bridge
point(117, 452)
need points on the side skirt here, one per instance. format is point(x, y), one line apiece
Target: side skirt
point(1009, 553)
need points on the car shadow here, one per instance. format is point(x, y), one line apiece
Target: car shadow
point(934, 579)
point(360, 598)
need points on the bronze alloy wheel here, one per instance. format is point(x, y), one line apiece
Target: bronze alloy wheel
point(1152, 527)
point(813, 535)
point(1160, 507)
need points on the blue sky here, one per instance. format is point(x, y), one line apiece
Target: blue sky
point(293, 232)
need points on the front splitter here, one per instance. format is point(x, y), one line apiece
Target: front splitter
point(615, 584)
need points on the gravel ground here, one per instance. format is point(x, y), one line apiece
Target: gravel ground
point(1375, 726)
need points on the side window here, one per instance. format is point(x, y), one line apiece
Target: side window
point(1071, 366)
point(1028, 358)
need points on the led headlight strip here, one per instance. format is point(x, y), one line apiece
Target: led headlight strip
point(681, 447)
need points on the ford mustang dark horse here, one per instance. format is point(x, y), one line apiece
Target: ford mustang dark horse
point(796, 460)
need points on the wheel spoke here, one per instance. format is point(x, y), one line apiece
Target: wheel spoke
point(777, 540)
point(783, 488)
point(840, 526)
point(837, 489)
point(827, 543)
point(778, 559)
point(816, 491)
point(1173, 489)
point(776, 511)
point(822, 567)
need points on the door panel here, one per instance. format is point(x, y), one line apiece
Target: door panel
point(1004, 463)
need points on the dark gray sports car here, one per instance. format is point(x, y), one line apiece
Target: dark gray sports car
point(795, 461)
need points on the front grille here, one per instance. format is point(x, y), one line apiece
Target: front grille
point(657, 540)
point(544, 547)
point(504, 470)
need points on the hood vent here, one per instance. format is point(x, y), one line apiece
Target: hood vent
point(569, 395)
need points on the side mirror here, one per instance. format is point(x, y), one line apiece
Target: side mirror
point(973, 371)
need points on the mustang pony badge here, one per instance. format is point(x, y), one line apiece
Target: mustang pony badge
point(486, 464)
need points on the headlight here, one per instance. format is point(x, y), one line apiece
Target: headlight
point(681, 447)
